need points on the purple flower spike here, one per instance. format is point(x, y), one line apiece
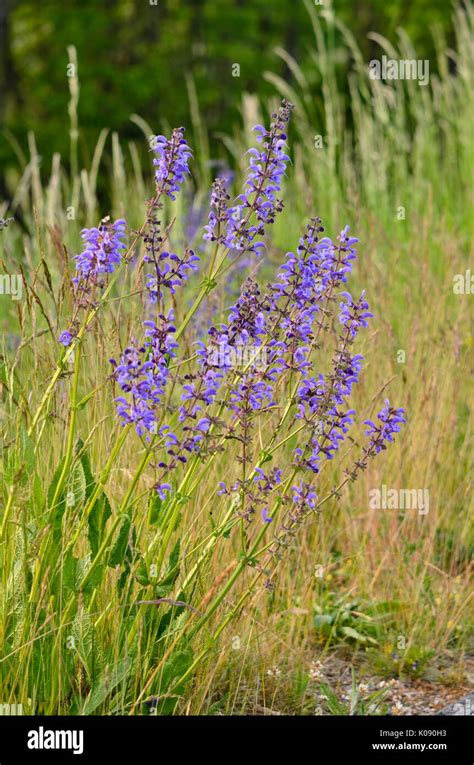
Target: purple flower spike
point(103, 250)
point(354, 314)
point(304, 495)
point(143, 374)
point(171, 162)
point(231, 226)
point(169, 272)
point(392, 421)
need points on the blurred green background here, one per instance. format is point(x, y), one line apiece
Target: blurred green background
point(135, 57)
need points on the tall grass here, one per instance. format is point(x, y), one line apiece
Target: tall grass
point(74, 638)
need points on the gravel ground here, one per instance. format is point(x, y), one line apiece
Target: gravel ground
point(403, 696)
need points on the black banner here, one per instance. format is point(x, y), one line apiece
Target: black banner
point(429, 739)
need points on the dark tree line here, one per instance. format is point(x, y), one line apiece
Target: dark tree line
point(137, 57)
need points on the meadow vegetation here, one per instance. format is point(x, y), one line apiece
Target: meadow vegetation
point(81, 524)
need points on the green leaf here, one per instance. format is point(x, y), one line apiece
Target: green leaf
point(101, 509)
point(165, 585)
point(107, 682)
point(321, 620)
point(174, 557)
point(155, 505)
point(69, 572)
point(83, 566)
point(119, 550)
point(71, 497)
point(19, 459)
point(75, 487)
point(123, 576)
point(384, 607)
point(86, 466)
point(175, 667)
point(38, 498)
point(141, 574)
point(335, 706)
point(98, 517)
point(57, 512)
point(265, 457)
point(82, 631)
point(350, 632)
point(81, 404)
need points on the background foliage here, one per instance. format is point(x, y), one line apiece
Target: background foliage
point(125, 48)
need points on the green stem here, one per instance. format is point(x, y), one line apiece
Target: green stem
point(7, 511)
point(86, 323)
point(70, 438)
